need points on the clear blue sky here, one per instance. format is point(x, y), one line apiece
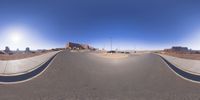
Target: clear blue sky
point(132, 24)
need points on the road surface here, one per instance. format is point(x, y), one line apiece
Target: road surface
point(84, 76)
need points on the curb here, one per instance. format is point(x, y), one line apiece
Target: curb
point(26, 76)
point(183, 74)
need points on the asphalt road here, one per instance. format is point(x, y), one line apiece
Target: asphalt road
point(84, 76)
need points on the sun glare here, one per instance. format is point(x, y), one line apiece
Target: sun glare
point(16, 37)
point(20, 37)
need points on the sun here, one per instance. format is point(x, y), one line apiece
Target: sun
point(16, 36)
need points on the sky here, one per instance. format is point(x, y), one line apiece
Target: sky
point(130, 24)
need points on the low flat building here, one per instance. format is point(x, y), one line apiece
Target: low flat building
point(178, 49)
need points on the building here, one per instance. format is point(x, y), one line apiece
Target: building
point(74, 46)
point(178, 49)
point(77, 46)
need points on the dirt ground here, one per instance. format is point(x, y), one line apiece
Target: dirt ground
point(186, 56)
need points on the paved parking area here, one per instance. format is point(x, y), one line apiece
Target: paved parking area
point(83, 76)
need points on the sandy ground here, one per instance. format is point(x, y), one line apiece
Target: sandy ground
point(186, 56)
point(113, 55)
point(20, 56)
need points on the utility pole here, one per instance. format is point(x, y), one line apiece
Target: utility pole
point(135, 49)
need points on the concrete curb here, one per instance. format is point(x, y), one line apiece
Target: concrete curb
point(182, 68)
point(26, 76)
point(183, 74)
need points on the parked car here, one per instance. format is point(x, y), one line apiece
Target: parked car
point(112, 51)
point(127, 52)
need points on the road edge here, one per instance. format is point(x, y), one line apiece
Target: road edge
point(37, 72)
point(188, 76)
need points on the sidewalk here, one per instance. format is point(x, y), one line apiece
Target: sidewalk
point(17, 67)
point(187, 65)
